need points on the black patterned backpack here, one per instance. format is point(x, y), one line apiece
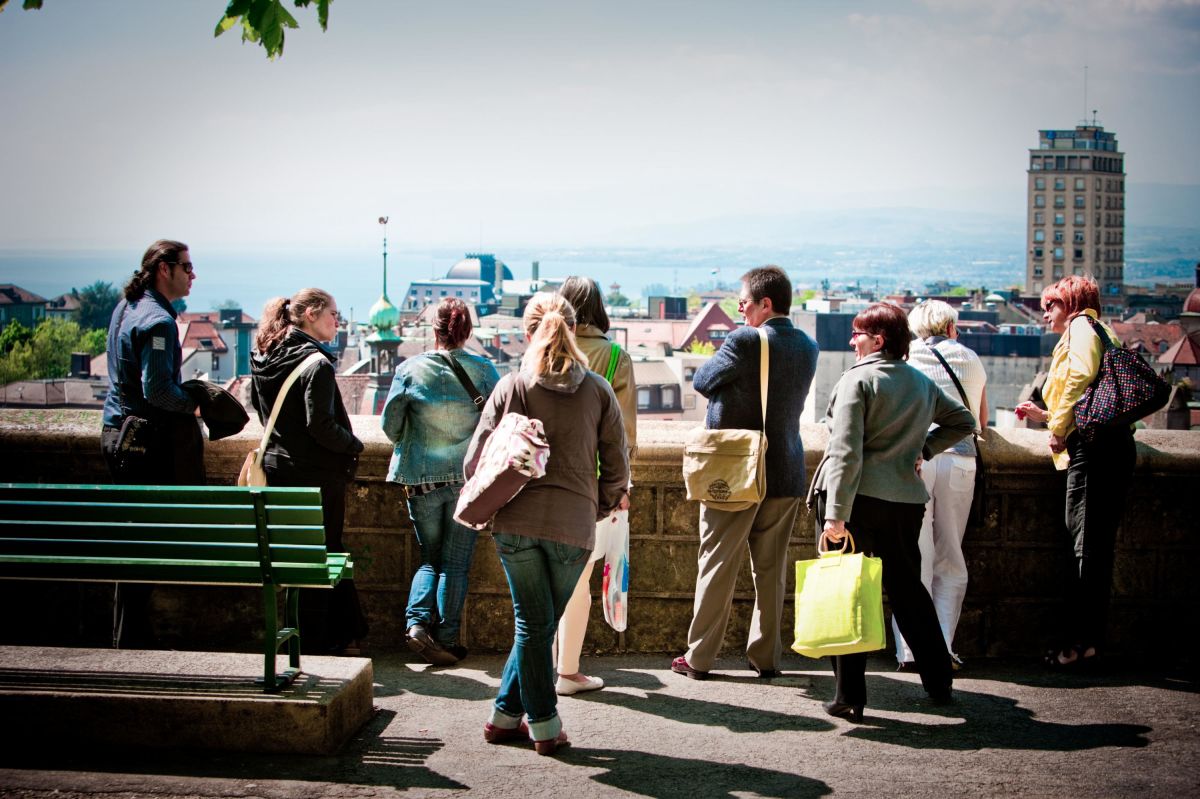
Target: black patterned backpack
point(1126, 389)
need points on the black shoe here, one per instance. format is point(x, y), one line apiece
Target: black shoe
point(458, 650)
point(941, 698)
point(763, 674)
point(842, 711)
point(421, 642)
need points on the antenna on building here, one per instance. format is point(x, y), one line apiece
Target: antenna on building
point(1085, 92)
point(383, 220)
point(1093, 117)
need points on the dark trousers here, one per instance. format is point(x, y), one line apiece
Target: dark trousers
point(329, 619)
point(174, 456)
point(1098, 479)
point(890, 531)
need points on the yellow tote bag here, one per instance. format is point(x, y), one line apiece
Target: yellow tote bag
point(839, 602)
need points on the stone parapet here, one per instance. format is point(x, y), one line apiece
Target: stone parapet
point(1017, 560)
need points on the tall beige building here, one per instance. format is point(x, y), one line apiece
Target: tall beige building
point(1076, 219)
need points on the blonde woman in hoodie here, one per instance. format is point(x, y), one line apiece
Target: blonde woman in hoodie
point(545, 535)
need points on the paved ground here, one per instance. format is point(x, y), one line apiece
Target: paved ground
point(1015, 731)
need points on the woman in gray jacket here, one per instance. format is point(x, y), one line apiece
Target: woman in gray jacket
point(546, 532)
point(880, 418)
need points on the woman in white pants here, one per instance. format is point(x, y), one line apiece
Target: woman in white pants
point(614, 363)
point(950, 476)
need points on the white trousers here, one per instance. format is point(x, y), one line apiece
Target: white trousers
point(950, 481)
point(572, 627)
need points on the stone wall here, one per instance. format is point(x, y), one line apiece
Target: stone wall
point(1017, 560)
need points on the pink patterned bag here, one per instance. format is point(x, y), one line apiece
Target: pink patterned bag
point(515, 453)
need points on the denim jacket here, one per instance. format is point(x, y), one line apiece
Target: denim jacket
point(430, 417)
point(144, 359)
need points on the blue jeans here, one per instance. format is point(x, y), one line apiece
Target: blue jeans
point(541, 576)
point(439, 588)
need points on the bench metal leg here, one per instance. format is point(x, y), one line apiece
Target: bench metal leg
point(272, 638)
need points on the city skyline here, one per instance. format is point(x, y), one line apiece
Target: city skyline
point(538, 125)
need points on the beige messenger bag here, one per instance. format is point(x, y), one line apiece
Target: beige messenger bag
point(727, 469)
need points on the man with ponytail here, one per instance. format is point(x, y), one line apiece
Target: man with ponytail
point(545, 534)
point(150, 434)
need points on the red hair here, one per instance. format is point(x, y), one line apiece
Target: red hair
point(887, 320)
point(1075, 292)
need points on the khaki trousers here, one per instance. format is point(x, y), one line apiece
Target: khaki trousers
point(724, 538)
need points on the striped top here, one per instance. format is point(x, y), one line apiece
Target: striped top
point(967, 367)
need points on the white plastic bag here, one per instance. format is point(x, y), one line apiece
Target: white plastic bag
point(613, 542)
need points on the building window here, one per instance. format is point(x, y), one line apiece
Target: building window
point(1039, 253)
point(643, 399)
point(1039, 184)
point(1060, 184)
point(1058, 253)
point(458, 293)
point(1060, 201)
point(1039, 217)
point(216, 364)
point(1080, 201)
point(1078, 253)
point(1079, 237)
point(689, 372)
point(1039, 201)
point(1039, 235)
point(443, 293)
point(1099, 184)
point(1058, 237)
point(670, 397)
point(1080, 220)
point(1059, 219)
point(1079, 184)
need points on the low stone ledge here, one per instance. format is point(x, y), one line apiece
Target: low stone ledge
point(181, 699)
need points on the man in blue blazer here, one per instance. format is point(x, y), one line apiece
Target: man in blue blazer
point(730, 381)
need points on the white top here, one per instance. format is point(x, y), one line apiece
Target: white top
point(967, 367)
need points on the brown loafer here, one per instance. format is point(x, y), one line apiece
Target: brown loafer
point(421, 642)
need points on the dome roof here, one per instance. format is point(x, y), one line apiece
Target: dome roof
point(994, 297)
point(1192, 303)
point(470, 268)
point(383, 315)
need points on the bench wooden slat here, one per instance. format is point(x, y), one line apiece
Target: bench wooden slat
point(206, 495)
point(97, 511)
point(184, 533)
point(51, 548)
point(85, 569)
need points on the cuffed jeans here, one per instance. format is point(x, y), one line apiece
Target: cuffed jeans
point(950, 480)
point(541, 576)
point(439, 587)
point(1098, 480)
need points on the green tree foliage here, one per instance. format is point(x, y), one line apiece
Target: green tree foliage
point(263, 21)
point(730, 306)
point(618, 300)
point(228, 305)
point(699, 347)
point(46, 351)
point(96, 304)
point(14, 333)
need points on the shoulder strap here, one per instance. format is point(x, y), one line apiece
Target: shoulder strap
point(764, 371)
point(463, 378)
point(614, 354)
point(953, 377)
point(307, 362)
point(1101, 332)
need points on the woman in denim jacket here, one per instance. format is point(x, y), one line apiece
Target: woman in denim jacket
point(430, 418)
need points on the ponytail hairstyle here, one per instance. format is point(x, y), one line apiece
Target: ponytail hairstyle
point(163, 251)
point(451, 323)
point(281, 314)
point(585, 296)
point(549, 327)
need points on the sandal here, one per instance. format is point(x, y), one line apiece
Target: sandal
point(1054, 659)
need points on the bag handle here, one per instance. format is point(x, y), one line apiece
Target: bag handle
point(1099, 330)
point(962, 394)
point(823, 550)
point(262, 445)
point(764, 371)
point(463, 378)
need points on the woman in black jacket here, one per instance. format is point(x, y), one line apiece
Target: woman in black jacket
point(312, 445)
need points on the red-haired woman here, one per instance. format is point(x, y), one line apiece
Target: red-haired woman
point(885, 417)
point(430, 417)
point(1098, 472)
point(312, 445)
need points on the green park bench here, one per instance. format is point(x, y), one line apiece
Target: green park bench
point(181, 535)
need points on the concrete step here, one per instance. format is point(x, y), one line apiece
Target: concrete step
point(182, 699)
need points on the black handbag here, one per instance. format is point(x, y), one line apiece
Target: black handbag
point(979, 499)
point(1125, 390)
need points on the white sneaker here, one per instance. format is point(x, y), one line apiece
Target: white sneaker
point(566, 687)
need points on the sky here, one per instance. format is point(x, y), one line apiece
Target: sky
point(557, 124)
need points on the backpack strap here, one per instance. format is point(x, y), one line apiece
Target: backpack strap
point(614, 355)
point(463, 378)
